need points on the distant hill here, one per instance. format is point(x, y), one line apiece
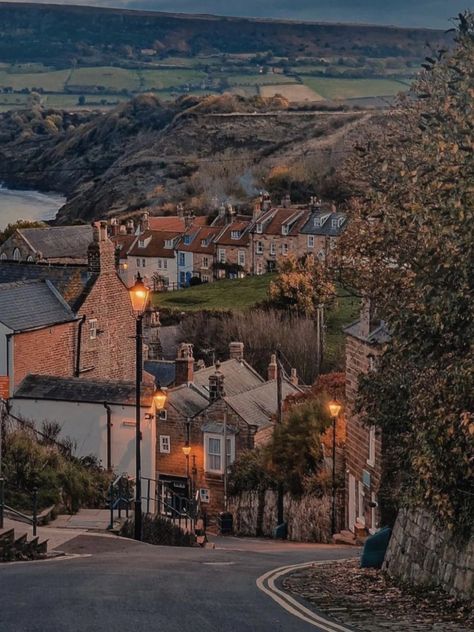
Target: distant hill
point(59, 34)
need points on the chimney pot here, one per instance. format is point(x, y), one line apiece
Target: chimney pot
point(236, 351)
point(294, 377)
point(272, 368)
point(216, 385)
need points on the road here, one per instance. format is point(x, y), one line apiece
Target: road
point(123, 586)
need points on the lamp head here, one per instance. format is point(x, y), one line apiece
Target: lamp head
point(139, 296)
point(334, 408)
point(186, 450)
point(159, 399)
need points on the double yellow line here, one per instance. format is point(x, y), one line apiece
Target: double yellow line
point(266, 583)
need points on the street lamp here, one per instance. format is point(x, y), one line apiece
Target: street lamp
point(139, 297)
point(334, 410)
point(187, 451)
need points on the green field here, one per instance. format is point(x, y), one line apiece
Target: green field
point(110, 77)
point(332, 88)
point(52, 81)
point(166, 79)
point(222, 295)
point(258, 80)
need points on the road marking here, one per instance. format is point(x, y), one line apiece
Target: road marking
point(218, 563)
point(266, 583)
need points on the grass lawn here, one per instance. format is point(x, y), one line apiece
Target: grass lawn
point(222, 295)
point(332, 88)
point(344, 311)
point(50, 81)
point(257, 80)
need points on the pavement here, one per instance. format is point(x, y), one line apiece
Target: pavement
point(107, 583)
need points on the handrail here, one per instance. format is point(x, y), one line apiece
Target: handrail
point(32, 520)
point(121, 485)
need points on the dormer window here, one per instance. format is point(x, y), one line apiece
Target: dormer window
point(203, 243)
point(317, 222)
point(284, 229)
point(187, 240)
point(235, 234)
point(168, 243)
point(141, 243)
point(259, 228)
point(334, 223)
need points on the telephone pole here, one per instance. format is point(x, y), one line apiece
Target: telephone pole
point(280, 516)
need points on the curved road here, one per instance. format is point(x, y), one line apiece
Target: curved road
point(116, 585)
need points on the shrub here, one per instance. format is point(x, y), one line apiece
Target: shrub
point(160, 531)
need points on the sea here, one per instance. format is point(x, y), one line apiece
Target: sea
point(27, 205)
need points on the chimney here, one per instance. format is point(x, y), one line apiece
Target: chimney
point(184, 364)
point(229, 214)
point(101, 251)
point(216, 385)
point(188, 220)
point(130, 226)
point(257, 209)
point(122, 229)
point(272, 368)
point(114, 226)
point(236, 351)
point(145, 221)
point(180, 210)
point(294, 377)
point(367, 318)
point(286, 201)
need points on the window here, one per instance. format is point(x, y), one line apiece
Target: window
point(259, 229)
point(168, 243)
point(317, 222)
point(371, 459)
point(334, 223)
point(16, 255)
point(182, 259)
point(3, 256)
point(360, 504)
point(165, 264)
point(187, 240)
point(143, 263)
point(165, 446)
point(163, 415)
point(203, 243)
point(159, 263)
point(235, 234)
point(138, 263)
point(310, 241)
point(93, 328)
point(205, 278)
point(259, 247)
point(221, 255)
point(241, 257)
point(214, 452)
point(30, 259)
point(205, 262)
point(284, 249)
point(284, 229)
point(141, 243)
point(273, 248)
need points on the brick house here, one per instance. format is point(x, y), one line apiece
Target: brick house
point(319, 235)
point(224, 404)
point(195, 253)
point(97, 340)
point(232, 258)
point(50, 244)
point(365, 341)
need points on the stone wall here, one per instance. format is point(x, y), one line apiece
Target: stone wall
point(308, 517)
point(424, 555)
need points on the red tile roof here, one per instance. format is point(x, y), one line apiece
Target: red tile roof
point(174, 222)
point(275, 218)
point(225, 238)
point(155, 244)
point(207, 233)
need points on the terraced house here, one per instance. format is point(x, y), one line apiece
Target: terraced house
point(196, 254)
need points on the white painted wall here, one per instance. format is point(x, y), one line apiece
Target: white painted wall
point(86, 424)
point(152, 265)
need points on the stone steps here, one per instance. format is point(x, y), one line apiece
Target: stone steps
point(20, 548)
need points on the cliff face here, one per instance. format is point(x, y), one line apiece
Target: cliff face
point(147, 154)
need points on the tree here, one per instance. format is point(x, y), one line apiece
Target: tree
point(410, 247)
point(21, 223)
point(301, 285)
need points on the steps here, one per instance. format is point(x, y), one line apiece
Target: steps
point(349, 538)
point(15, 549)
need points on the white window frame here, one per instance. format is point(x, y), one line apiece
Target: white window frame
point(371, 458)
point(138, 263)
point(284, 229)
point(3, 256)
point(141, 243)
point(259, 248)
point(311, 241)
point(163, 415)
point(205, 263)
point(241, 258)
point(230, 453)
point(168, 243)
point(93, 328)
point(16, 254)
point(259, 229)
point(235, 234)
point(165, 444)
point(221, 255)
point(272, 248)
point(165, 264)
point(284, 249)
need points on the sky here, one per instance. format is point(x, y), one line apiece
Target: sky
point(424, 13)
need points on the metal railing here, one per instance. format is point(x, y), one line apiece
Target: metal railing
point(31, 520)
point(120, 498)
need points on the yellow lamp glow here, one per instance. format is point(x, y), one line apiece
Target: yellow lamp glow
point(186, 450)
point(139, 296)
point(160, 399)
point(334, 409)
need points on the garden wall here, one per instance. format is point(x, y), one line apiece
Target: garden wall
point(308, 517)
point(423, 554)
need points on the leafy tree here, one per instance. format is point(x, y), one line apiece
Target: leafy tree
point(301, 285)
point(11, 228)
point(410, 246)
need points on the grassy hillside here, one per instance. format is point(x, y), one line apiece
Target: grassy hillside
point(223, 295)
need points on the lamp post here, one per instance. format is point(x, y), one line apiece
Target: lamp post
point(334, 410)
point(139, 296)
point(187, 451)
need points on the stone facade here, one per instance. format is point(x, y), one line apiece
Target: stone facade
point(424, 555)
point(363, 444)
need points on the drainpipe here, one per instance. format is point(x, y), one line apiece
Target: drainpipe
point(109, 436)
point(77, 370)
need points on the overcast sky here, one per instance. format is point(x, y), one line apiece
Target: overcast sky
point(430, 13)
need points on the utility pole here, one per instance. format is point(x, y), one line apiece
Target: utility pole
point(280, 516)
point(319, 337)
point(225, 459)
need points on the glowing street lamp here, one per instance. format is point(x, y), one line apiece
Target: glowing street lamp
point(159, 399)
point(139, 294)
point(334, 410)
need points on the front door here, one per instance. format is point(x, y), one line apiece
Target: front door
point(352, 502)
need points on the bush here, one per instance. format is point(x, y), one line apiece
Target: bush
point(159, 530)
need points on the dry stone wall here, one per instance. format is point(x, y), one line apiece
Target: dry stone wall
point(422, 554)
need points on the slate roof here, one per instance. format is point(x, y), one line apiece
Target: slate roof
point(327, 228)
point(155, 247)
point(28, 305)
point(164, 371)
point(275, 218)
point(59, 242)
point(205, 233)
point(225, 237)
point(73, 282)
point(187, 400)
point(379, 335)
point(258, 405)
point(75, 389)
point(238, 377)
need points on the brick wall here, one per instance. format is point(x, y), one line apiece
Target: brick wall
point(366, 475)
point(45, 352)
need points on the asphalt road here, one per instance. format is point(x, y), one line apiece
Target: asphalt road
point(123, 586)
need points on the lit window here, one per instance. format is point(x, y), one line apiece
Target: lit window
point(371, 459)
point(165, 446)
point(93, 328)
point(310, 241)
